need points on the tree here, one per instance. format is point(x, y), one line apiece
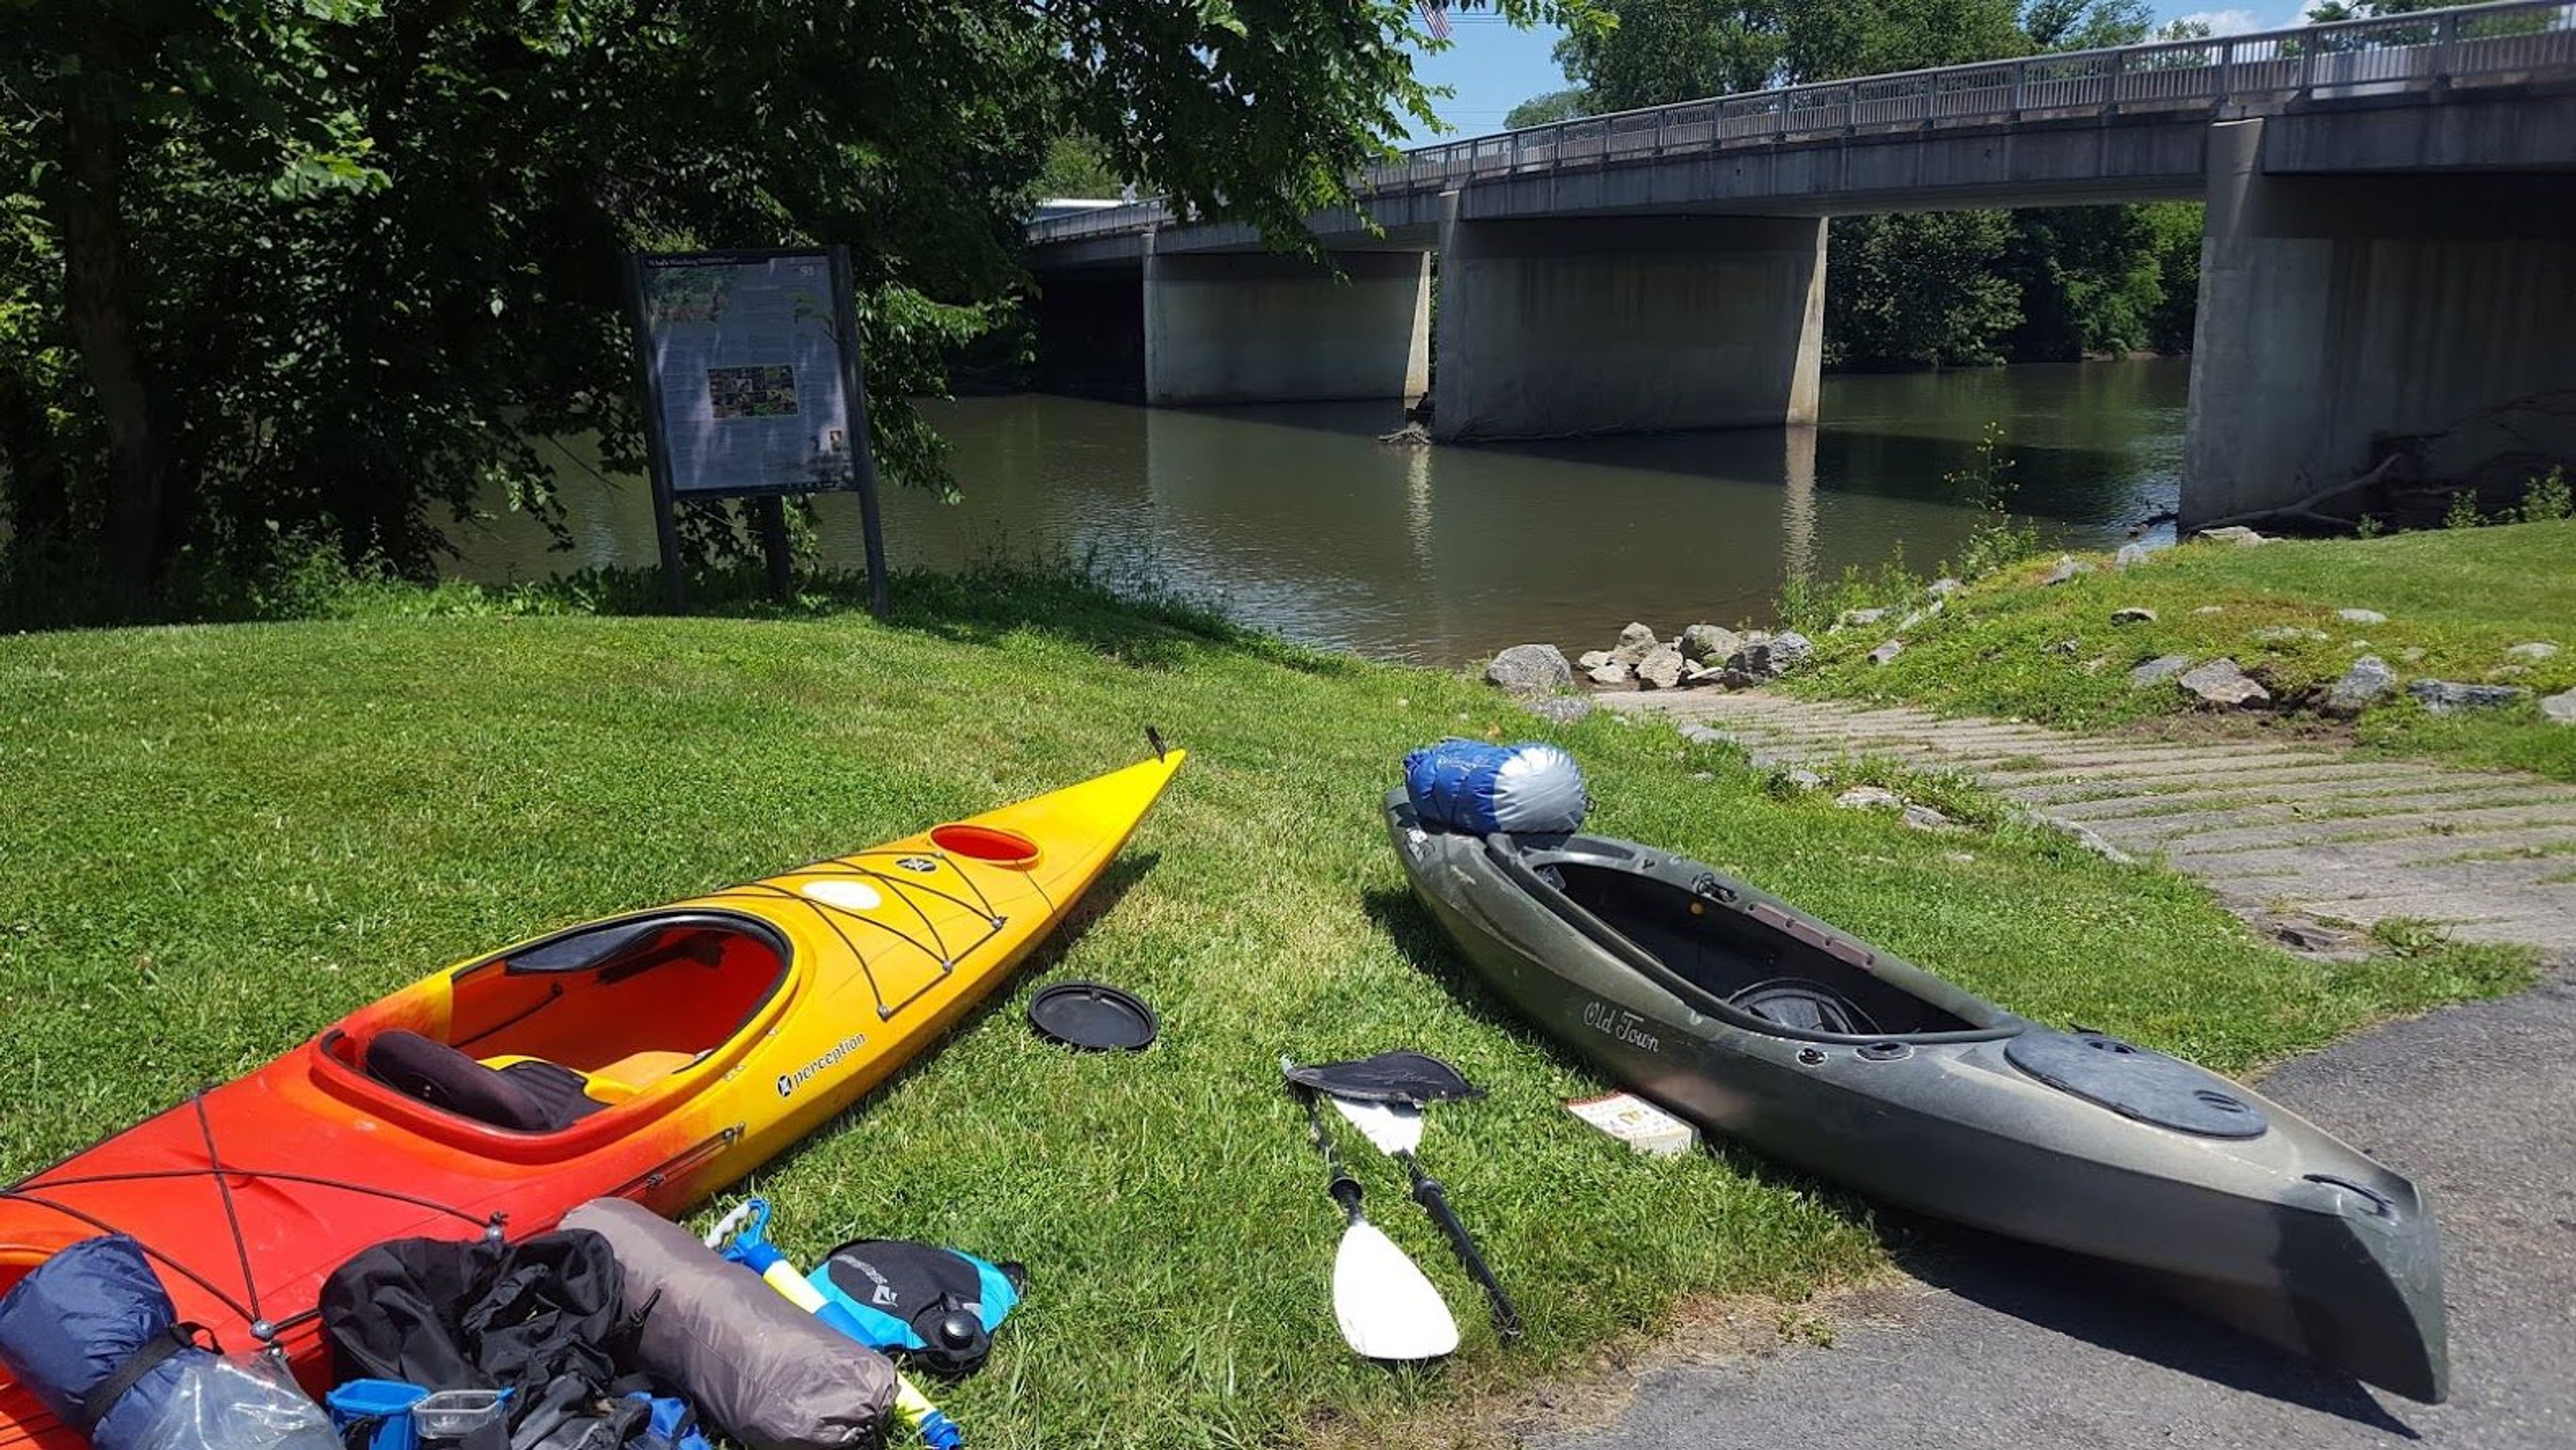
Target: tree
point(1550, 106)
point(328, 268)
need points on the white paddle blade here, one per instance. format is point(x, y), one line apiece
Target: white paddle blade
point(1393, 1127)
point(1386, 1308)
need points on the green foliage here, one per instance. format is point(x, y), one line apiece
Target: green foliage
point(1076, 166)
point(2547, 498)
point(333, 269)
point(1549, 106)
point(2368, 526)
point(1925, 290)
point(2463, 512)
point(1919, 289)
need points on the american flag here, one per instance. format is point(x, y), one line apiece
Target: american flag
point(1435, 18)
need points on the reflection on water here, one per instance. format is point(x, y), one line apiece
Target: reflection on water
point(1299, 520)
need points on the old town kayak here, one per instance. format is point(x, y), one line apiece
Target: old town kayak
point(658, 1055)
point(1761, 1022)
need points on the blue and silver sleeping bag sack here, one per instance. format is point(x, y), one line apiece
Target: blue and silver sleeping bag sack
point(91, 1332)
point(1480, 788)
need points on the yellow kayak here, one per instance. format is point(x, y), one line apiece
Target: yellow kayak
point(659, 1055)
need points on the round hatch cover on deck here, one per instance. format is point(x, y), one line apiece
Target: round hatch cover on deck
point(1092, 1015)
point(2137, 1083)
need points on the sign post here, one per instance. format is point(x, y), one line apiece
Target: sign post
point(750, 362)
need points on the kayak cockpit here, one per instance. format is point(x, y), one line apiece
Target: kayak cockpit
point(539, 1039)
point(1738, 955)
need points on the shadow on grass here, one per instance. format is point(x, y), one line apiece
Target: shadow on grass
point(2082, 1298)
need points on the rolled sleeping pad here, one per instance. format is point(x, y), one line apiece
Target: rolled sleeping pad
point(761, 1370)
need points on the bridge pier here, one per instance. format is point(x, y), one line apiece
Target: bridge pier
point(1257, 327)
point(1627, 324)
point(2336, 311)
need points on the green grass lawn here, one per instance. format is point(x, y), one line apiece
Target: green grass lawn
point(2456, 599)
point(219, 839)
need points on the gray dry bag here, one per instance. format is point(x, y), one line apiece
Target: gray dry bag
point(765, 1372)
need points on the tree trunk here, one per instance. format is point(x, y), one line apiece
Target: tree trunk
point(102, 311)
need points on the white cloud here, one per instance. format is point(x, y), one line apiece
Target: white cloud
point(2227, 22)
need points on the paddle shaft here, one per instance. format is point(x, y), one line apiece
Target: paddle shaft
point(1345, 1189)
point(1428, 1193)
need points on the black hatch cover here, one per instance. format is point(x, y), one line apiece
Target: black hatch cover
point(2137, 1083)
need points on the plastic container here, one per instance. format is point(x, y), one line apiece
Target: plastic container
point(384, 1404)
point(455, 1414)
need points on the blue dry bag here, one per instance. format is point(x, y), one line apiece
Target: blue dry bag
point(935, 1307)
point(1469, 785)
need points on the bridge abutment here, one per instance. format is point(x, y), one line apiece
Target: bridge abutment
point(1627, 324)
point(2338, 311)
point(1255, 327)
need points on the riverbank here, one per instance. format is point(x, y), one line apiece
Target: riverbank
point(222, 838)
point(2091, 644)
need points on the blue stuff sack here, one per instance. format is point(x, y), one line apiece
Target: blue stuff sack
point(1473, 786)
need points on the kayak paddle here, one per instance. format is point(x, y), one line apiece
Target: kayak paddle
point(1385, 1306)
point(1396, 1129)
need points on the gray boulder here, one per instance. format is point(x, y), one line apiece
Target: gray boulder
point(2361, 616)
point(1709, 643)
point(2211, 609)
point(1613, 673)
point(1769, 659)
point(2369, 681)
point(2237, 534)
point(2221, 682)
point(1924, 818)
point(2450, 697)
point(2560, 708)
point(1531, 669)
point(1870, 798)
point(1855, 618)
point(2129, 557)
point(1662, 667)
point(1887, 652)
point(1944, 588)
point(2068, 567)
point(1634, 641)
point(1803, 778)
point(2286, 634)
point(2134, 614)
point(1593, 659)
point(1562, 709)
point(2163, 667)
point(2536, 649)
point(1706, 735)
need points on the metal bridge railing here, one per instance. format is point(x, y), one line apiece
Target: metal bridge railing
point(2499, 44)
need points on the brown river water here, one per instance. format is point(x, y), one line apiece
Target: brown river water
point(1297, 520)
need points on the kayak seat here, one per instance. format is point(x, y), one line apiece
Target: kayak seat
point(1808, 1005)
point(528, 1096)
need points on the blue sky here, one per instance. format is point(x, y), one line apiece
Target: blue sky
point(1495, 66)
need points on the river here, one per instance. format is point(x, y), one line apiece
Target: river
point(1297, 520)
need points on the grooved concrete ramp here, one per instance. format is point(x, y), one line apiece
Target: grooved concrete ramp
point(2285, 827)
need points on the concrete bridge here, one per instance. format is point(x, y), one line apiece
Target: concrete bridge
point(2390, 248)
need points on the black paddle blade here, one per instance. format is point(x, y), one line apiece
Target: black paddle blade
point(1414, 1078)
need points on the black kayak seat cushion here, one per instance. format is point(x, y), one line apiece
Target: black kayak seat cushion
point(1805, 1004)
point(525, 1097)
